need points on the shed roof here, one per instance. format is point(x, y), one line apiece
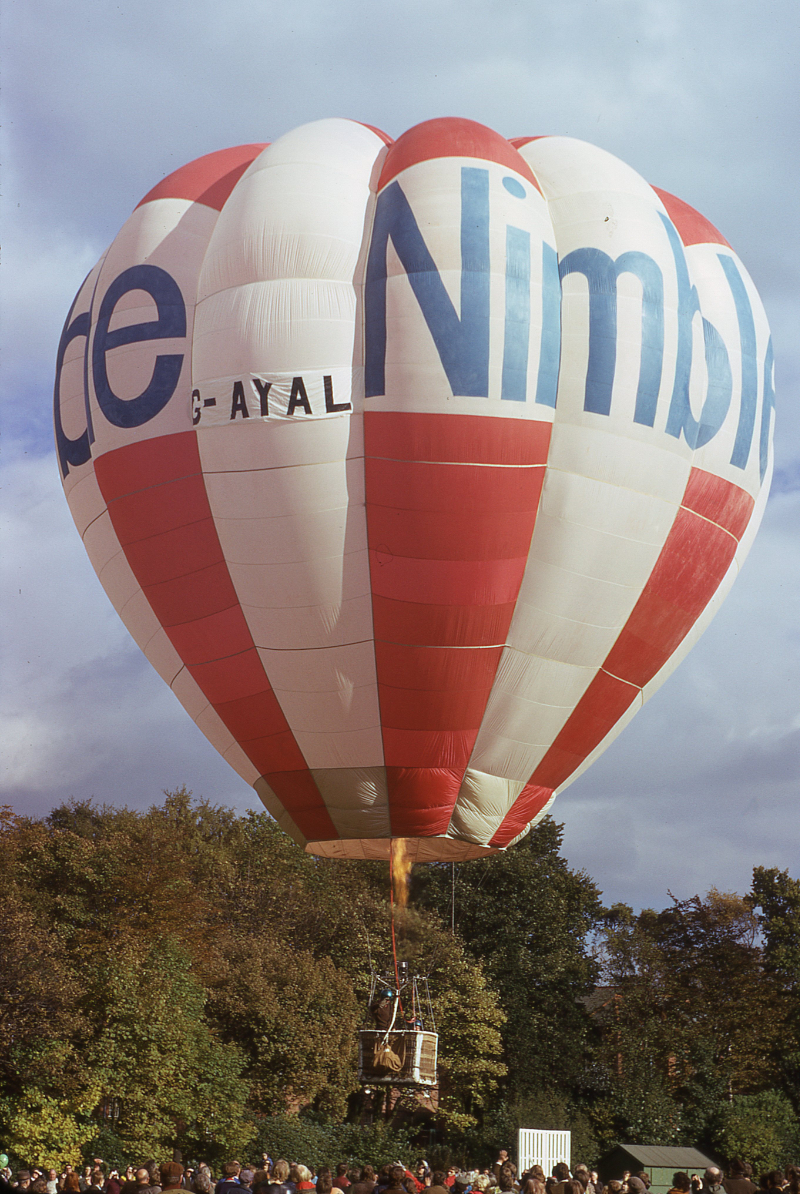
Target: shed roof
point(650, 1155)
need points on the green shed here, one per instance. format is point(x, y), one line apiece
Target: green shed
point(658, 1163)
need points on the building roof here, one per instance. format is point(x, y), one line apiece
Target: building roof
point(656, 1156)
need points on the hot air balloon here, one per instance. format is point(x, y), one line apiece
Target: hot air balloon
point(414, 467)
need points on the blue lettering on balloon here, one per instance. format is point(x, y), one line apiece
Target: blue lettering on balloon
point(171, 323)
point(601, 273)
point(718, 397)
point(71, 451)
point(514, 385)
point(550, 343)
point(747, 341)
point(462, 343)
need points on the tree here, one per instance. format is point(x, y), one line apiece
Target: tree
point(776, 896)
point(761, 1127)
point(693, 1023)
point(526, 918)
point(158, 1061)
point(194, 969)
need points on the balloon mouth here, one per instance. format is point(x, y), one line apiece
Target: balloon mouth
point(417, 849)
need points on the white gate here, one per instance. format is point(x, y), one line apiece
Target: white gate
point(537, 1146)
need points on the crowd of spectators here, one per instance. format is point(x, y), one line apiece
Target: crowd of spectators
point(283, 1177)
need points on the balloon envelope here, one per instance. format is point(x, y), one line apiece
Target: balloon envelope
point(414, 468)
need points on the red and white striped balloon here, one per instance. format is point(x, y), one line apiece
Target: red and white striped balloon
point(414, 468)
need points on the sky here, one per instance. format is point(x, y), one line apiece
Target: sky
point(103, 99)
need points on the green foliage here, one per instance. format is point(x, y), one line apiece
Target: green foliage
point(776, 897)
point(540, 1109)
point(199, 982)
point(692, 1021)
point(297, 1138)
point(177, 1082)
point(525, 917)
point(761, 1127)
point(199, 969)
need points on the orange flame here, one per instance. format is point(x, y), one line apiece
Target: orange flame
point(401, 869)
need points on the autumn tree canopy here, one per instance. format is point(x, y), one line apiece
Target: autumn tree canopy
point(180, 977)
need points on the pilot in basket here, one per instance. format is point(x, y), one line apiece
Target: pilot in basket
point(400, 1048)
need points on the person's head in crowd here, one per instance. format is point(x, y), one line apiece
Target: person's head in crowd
point(23, 1179)
point(142, 1176)
point(170, 1175)
point(303, 1173)
point(561, 1172)
point(72, 1184)
point(201, 1182)
point(280, 1172)
point(644, 1178)
point(246, 1178)
point(438, 1178)
point(464, 1181)
point(505, 1180)
point(774, 1180)
point(231, 1170)
point(615, 1187)
point(324, 1181)
point(681, 1181)
point(481, 1183)
point(636, 1185)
